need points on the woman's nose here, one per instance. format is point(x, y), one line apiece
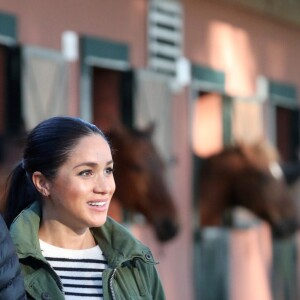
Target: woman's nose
point(103, 185)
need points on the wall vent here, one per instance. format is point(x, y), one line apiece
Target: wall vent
point(165, 36)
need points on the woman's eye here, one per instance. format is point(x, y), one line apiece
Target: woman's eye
point(86, 173)
point(109, 171)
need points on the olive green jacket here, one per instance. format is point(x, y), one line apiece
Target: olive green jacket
point(131, 274)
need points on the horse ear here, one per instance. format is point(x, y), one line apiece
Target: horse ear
point(117, 129)
point(146, 133)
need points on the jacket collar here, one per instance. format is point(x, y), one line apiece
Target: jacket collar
point(117, 244)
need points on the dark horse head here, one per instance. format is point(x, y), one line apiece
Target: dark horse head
point(140, 182)
point(248, 176)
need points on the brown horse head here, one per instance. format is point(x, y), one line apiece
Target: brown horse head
point(248, 176)
point(140, 182)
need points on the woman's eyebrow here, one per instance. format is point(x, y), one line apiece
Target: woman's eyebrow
point(91, 164)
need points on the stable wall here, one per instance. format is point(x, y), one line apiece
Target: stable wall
point(242, 44)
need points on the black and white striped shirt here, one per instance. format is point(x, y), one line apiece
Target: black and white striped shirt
point(80, 271)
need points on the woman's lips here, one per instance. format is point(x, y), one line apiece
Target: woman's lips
point(98, 205)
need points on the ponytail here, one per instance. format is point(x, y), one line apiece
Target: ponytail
point(20, 193)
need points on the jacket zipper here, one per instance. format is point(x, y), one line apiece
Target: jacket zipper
point(111, 288)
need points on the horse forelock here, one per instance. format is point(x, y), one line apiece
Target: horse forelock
point(260, 154)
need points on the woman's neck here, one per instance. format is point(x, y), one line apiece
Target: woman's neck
point(59, 235)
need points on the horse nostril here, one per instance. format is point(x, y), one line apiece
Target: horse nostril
point(166, 230)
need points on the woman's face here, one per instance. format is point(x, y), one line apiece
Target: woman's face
point(80, 194)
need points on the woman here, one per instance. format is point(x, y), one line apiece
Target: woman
point(11, 281)
point(57, 205)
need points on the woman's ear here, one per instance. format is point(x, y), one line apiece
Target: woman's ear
point(41, 183)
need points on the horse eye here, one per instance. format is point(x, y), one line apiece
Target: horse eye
point(136, 167)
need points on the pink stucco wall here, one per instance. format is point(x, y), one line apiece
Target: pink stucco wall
point(41, 23)
point(242, 44)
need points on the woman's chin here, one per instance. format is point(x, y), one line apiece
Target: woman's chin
point(98, 222)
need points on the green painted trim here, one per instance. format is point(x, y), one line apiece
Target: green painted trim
point(284, 268)
point(104, 49)
point(209, 76)
point(283, 94)
point(211, 263)
point(98, 52)
point(227, 120)
point(8, 25)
